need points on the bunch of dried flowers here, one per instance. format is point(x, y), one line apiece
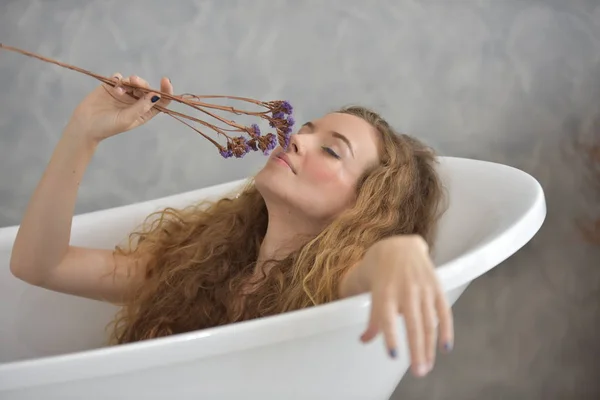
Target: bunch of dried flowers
point(240, 139)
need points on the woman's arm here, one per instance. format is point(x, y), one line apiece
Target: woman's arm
point(42, 254)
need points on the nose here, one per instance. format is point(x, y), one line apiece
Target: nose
point(295, 145)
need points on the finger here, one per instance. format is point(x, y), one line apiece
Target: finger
point(383, 317)
point(123, 92)
point(138, 82)
point(141, 108)
point(389, 315)
point(166, 87)
point(429, 328)
point(116, 90)
point(373, 325)
point(126, 84)
point(414, 330)
point(446, 321)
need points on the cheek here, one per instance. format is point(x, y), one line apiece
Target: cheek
point(323, 175)
point(319, 171)
point(327, 176)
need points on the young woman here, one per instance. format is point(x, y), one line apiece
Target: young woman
point(348, 207)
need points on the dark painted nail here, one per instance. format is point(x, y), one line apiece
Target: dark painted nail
point(154, 99)
point(393, 353)
point(448, 346)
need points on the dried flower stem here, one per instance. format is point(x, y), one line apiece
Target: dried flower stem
point(278, 113)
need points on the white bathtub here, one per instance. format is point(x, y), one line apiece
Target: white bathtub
point(51, 344)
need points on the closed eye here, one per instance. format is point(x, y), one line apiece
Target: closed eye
point(330, 152)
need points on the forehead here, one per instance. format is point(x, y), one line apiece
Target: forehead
point(359, 132)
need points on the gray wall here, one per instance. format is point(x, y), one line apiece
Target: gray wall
point(506, 81)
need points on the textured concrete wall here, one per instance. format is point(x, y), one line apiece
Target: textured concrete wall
point(508, 81)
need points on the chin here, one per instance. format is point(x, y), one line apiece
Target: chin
point(270, 188)
point(267, 183)
point(276, 189)
point(273, 178)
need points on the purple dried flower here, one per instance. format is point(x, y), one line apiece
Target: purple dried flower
point(283, 137)
point(278, 120)
point(280, 106)
point(271, 142)
point(289, 123)
point(267, 143)
point(239, 146)
point(225, 153)
point(256, 129)
point(286, 107)
point(286, 141)
point(253, 143)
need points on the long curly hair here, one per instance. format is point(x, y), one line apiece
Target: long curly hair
point(198, 261)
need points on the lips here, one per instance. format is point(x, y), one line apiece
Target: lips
point(284, 157)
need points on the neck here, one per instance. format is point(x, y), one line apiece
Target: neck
point(285, 234)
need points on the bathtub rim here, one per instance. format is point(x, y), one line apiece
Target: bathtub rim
point(221, 340)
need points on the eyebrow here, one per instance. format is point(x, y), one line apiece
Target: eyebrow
point(335, 134)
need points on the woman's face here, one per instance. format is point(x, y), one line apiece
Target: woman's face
point(316, 177)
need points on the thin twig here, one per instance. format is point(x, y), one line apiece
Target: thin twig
point(277, 113)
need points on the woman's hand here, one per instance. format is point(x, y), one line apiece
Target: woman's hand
point(402, 280)
point(108, 110)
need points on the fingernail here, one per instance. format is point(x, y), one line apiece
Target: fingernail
point(422, 369)
point(448, 346)
point(393, 353)
point(154, 99)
